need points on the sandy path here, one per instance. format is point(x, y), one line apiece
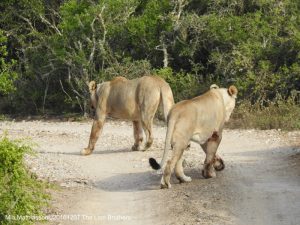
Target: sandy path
point(260, 184)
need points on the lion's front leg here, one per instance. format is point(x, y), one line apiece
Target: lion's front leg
point(95, 133)
point(138, 135)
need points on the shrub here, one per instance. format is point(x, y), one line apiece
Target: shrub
point(183, 85)
point(279, 114)
point(127, 68)
point(21, 193)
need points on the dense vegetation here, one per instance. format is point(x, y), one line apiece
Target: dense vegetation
point(49, 50)
point(22, 196)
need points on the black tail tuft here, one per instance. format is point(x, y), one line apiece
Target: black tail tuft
point(154, 164)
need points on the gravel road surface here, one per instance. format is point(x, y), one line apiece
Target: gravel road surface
point(114, 185)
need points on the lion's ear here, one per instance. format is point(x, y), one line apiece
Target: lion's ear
point(232, 91)
point(92, 86)
point(214, 86)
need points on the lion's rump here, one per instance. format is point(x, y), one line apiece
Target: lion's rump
point(122, 100)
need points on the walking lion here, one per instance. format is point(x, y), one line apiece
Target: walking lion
point(135, 100)
point(201, 120)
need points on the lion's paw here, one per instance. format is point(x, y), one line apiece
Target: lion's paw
point(219, 164)
point(208, 174)
point(86, 151)
point(135, 148)
point(147, 146)
point(186, 179)
point(164, 184)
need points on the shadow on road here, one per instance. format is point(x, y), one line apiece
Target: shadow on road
point(103, 152)
point(143, 181)
point(128, 182)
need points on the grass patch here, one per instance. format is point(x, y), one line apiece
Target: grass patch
point(281, 114)
point(22, 195)
point(3, 117)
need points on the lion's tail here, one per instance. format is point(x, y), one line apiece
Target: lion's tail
point(167, 99)
point(153, 163)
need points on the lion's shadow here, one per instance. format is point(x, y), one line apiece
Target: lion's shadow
point(128, 182)
point(142, 181)
point(102, 152)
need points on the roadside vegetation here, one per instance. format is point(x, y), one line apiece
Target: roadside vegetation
point(50, 50)
point(280, 114)
point(22, 196)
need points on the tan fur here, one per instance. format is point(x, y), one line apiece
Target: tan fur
point(92, 89)
point(214, 86)
point(136, 100)
point(201, 120)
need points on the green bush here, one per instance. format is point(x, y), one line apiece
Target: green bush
point(127, 68)
point(279, 114)
point(183, 85)
point(22, 195)
point(7, 75)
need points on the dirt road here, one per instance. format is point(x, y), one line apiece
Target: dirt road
point(260, 184)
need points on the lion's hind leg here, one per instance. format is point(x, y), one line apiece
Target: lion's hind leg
point(138, 135)
point(178, 149)
point(147, 126)
point(149, 107)
point(179, 173)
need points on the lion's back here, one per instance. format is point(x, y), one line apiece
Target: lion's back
point(152, 81)
point(127, 98)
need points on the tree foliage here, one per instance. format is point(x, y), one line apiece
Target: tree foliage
point(55, 48)
point(7, 75)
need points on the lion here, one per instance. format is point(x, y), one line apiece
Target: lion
point(200, 120)
point(136, 100)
